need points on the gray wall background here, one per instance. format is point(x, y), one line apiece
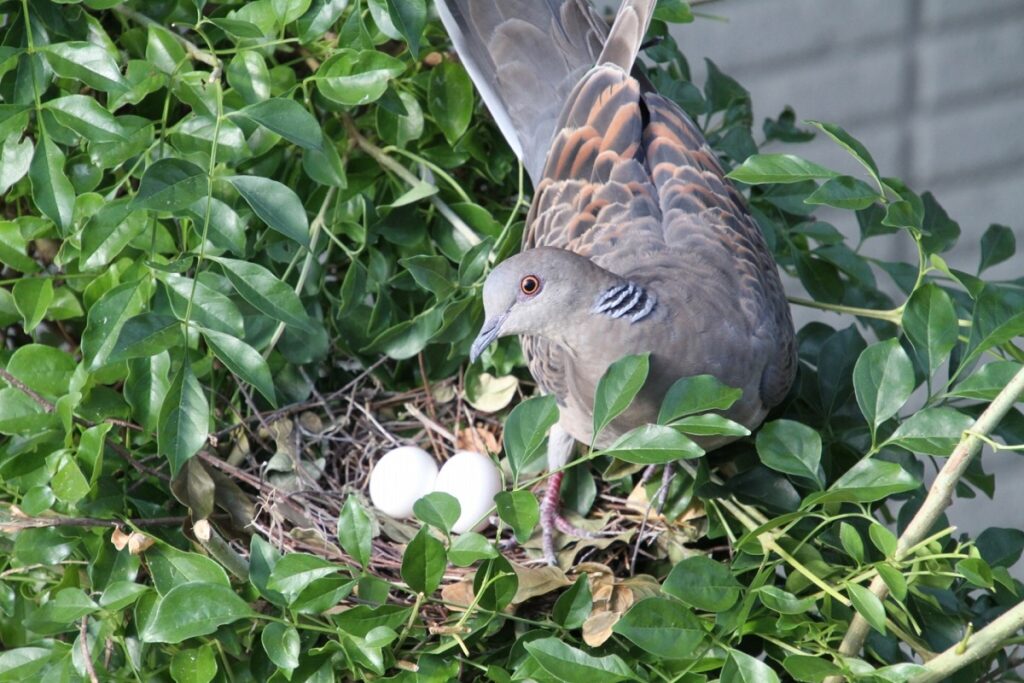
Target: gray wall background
point(933, 88)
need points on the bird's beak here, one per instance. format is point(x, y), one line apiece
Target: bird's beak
point(488, 333)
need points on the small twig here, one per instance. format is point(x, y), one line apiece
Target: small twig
point(430, 425)
point(83, 638)
point(191, 49)
point(402, 172)
point(47, 522)
point(938, 499)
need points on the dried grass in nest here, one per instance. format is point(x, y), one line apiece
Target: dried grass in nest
point(304, 461)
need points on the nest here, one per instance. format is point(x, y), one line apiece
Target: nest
point(286, 474)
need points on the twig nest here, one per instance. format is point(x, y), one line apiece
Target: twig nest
point(474, 480)
point(401, 477)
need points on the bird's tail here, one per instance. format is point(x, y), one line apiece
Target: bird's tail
point(525, 57)
point(627, 34)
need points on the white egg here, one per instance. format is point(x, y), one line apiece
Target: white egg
point(474, 480)
point(400, 478)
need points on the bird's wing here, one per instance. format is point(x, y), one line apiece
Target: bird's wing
point(525, 57)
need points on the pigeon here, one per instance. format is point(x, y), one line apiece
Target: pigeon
point(635, 241)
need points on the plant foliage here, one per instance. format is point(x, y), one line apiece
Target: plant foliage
point(216, 209)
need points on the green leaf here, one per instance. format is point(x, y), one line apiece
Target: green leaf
point(450, 99)
point(146, 388)
point(24, 663)
point(652, 445)
point(778, 168)
point(709, 424)
point(61, 612)
point(883, 539)
point(243, 360)
point(194, 665)
point(525, 430)
point(851, 145)
point(210, 308)
point(162, 50)
point(930, 322)
point(567, 663)
point(987, 381)
point(409, 17)
point(423, 562)
point(433, 273)
point(32, 298)
point(194, 609)
point(44, 369)
point(808, 669)
point(51, 190)
point(147, 334)
point(355, 531)
point(120, 594)
point(845, 192)
point(265, 291)
point(618, 387)
point(997, 318)
point(170, 185)
point(696, 394)
point(439, 509)
point(867, 481)
point(852, 543)
point(106, 319)
point(894, 580)
point(518, 509)
point(86, 62)
point(354, 77)
point(932, 431)
point(248, 75)
point(673, 11)
point(573, 606)
point(319, 19)
point(662, 627)
point(976, 571)
point(791, 448)
point(282, 645)
point(289, 119)
point(294, 572)
point(87, 117)
point(108, 232)
point(15, 159)
point(703, 583)
point(276, 205)
point(997, 245)
point(183, 421)
point(939, 232)
point(868, 606)
point(469, 547)
point(742, 668)
point(783, 602)
point(883, 380)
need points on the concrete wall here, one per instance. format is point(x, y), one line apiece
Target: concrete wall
point(934, 89)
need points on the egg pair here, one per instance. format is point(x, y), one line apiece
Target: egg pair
point(406, 474)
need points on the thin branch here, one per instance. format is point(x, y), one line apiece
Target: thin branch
point(83, 638)
point(19, 522)
point(981, 644)
point(938, 499)
point(191, 49)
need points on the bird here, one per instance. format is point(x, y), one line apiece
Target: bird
point(635, 241)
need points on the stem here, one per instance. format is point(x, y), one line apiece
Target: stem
point(893, 316)
point(981, 644)
point(938, 499)
point(381, 157)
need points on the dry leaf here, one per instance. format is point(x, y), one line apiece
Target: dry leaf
point(138, 543)
point(458, 594)
point(119, 538)
point(598, 627)
point(201, 529)
point(478, 438)
point(534, 581)
point(488, 393)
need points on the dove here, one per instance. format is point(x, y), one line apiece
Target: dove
point(635, 241)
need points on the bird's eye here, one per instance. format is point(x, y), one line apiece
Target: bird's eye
point(530, 285)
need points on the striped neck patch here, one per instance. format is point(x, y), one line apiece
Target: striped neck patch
point(626, 300)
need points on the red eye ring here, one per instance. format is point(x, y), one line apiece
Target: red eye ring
point(529, 285)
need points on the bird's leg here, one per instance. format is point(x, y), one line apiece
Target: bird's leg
point(559, 449)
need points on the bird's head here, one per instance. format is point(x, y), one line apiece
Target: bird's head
point(538, 292)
